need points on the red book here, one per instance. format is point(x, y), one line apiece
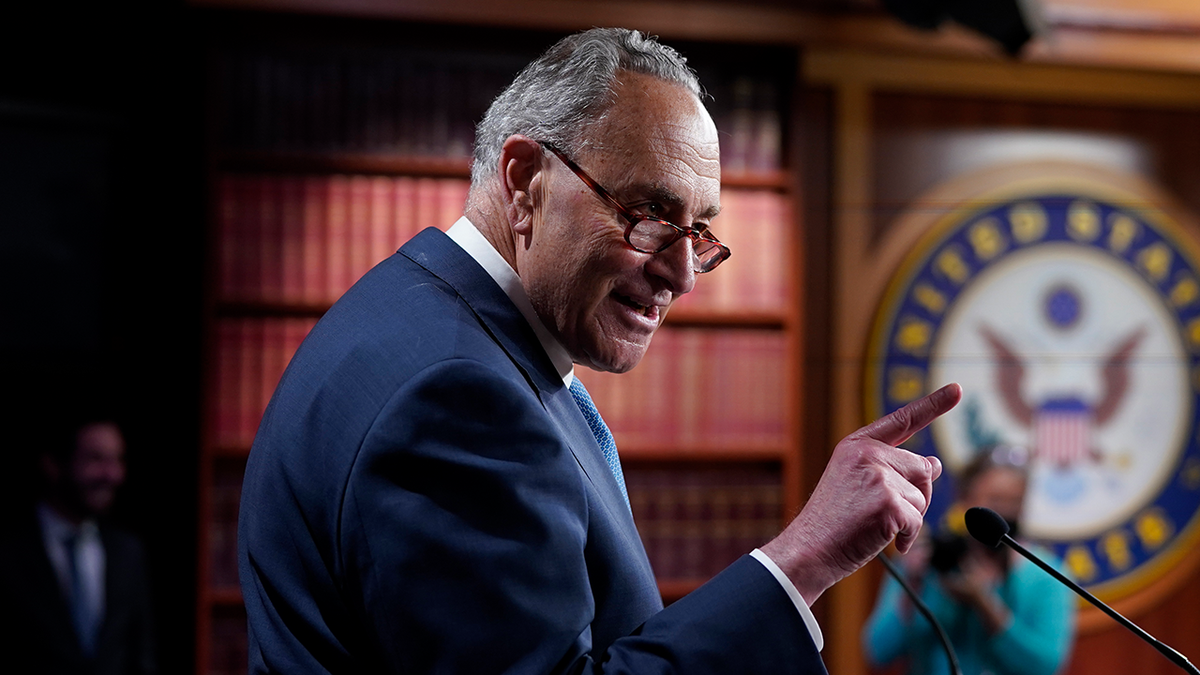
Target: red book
point(768, 129)
point(452, 199)
point(383, 238)
point(275, 358)
point(270, 282)
point(358, 225)
point(229, 647)
point(228, 221)
point(295, 330)
point(729, 360)
point(764, 242)
point(730, 292)
point(778, 220)
point(734, 155)
point(250, 389)
point(316, 260)
point(226, 496)
point(729, 228)
point(693, 389)
point(426, 204)
point(646, 409)
point(249, 264)
point(225, 407)
point(694, 529)
point(336, 232)
point(291, 207)
point(404, 212)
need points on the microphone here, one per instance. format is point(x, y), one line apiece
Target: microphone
point(924, 610)
point(991, 529)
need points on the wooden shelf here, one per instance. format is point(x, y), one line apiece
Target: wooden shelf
point(230, 452)
point(631, 452)
point(677, 317)
point(697, 318)
point(386, 164)
point(265, 161)
point(764, 180)
point(670, 589)
point(225, 597)
point(674, 589)
point(271, 310)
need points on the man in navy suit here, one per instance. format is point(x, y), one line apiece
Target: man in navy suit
point(73, 585)
point(432, 492)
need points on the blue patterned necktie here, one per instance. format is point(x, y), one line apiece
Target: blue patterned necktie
point(600, 430)
point(80, 615)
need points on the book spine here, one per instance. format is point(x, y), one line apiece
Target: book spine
point(383, 239)
point(316, 261)
point(337, 236)
point(226, 406)
point(291, 225)
point(358, 224)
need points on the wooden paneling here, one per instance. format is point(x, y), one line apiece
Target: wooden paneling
point(921, 140)
point(903, 125)
point(1077, 32)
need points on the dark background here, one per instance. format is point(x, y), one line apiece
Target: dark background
point(101, 261)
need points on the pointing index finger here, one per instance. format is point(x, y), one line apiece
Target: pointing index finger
point(899, 426)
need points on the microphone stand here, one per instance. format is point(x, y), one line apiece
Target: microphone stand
point(1175, 657)
point(924, 610)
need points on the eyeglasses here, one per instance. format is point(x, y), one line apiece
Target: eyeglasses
point(648, 234)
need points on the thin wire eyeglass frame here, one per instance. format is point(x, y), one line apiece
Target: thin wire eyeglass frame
point(707, 251)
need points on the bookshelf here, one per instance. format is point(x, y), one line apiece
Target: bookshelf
point(326, 155)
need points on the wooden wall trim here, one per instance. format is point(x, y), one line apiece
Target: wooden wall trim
point(1058, 83)
point(850, 598)
point(1073, 41)
point(678, 20)
point(1153, 51)
point(1161, 15)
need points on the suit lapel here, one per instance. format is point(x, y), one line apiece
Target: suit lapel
point(41, 582)
point(438, 254)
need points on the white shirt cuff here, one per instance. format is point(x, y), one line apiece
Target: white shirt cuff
point(810, 621)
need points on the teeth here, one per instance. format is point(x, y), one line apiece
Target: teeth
point(643, 309)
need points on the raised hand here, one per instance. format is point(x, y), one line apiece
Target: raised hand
point(870, 493)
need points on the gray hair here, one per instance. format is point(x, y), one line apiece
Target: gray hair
point(557, 96)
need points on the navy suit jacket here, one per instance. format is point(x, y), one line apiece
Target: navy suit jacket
point(424, 496)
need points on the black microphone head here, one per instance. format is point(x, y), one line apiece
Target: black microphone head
point(986, 525)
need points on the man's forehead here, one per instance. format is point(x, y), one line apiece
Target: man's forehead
point(658, 139)
point(655, 112)
point(101, 437)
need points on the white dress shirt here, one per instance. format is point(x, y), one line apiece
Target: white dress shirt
point(89, 559)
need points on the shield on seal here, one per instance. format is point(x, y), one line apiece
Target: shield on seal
point(1062, 431)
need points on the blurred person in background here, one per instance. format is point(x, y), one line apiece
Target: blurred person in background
point(75, 586)
point(1002, 614)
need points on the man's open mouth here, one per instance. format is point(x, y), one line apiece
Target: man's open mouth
point(645, 310)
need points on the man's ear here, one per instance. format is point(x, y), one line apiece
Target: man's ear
point(521, 164)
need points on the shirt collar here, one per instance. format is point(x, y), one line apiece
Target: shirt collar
point(59, 528)
point(470, 239)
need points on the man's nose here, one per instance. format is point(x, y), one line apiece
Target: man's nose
point(676, 264)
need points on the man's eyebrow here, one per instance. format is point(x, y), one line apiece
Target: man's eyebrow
point(668, 197)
